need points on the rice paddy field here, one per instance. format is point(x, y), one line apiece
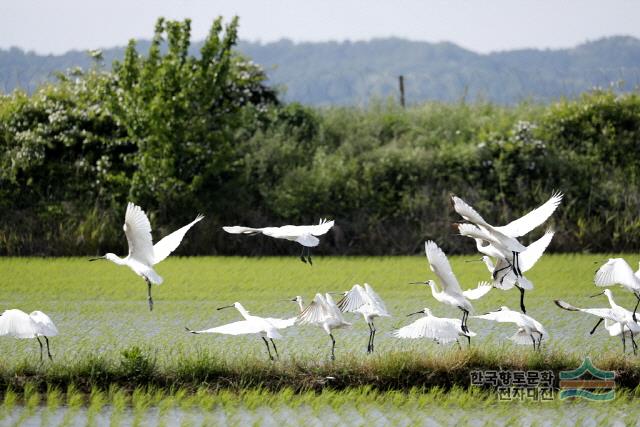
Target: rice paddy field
point(116, 363)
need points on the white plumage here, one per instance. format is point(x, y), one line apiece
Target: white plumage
point(366, 301)
point(528, 327)
point(306, 235)
point(324, 312)
point(265, 327)
point(18, 324)
point(616, 271)
point(143, 254)
point(451, 293)
point(440, 329)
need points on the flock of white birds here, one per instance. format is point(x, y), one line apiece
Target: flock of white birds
point(505, 257)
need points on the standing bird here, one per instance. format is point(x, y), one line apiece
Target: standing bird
point(265, 327)
point(441, 329)
point(503, 239)
point(364, 300)
point(616, 271)
point(503, 277)
point(143, 254)
point(325, 313)
point(18, 324)
point(451, 292)
point(528, 327)
point(611, 317)
point(306, 235)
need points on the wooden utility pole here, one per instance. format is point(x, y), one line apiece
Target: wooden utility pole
point(401, 81)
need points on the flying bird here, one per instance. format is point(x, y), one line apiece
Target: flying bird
point(616, 271)
point(451, 292)
point(18, 324)
point(503, 276)
point(441, 329)
point(366, 301)
point(324, 313)
point(528, 328)
point(264, 327)
point(143, 254)
point(611, 316)
point(503, 239)
point(306, 235)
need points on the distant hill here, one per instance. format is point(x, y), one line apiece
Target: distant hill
point(341, 73)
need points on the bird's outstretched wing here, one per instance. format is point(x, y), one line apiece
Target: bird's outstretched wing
point(315, 312)
point(239, 229)
point(138, 231)
point(281, 323)
point(353, 300)
point(240, 327)
point(441, 267)
point(616, 271)
point(467, 212)
point(429, 327)
point(321, 228)
point(308, 240)
point(18, 324)
point(376, 301)
point(470, 230)
point(169, 243)
point(482, 289)
point(534, 251)
point(500, 316)
point(533, 219)
point(44, 325)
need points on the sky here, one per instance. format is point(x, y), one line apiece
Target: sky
point(56, 26)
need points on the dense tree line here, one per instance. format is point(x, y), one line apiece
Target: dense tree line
point(354, 73)
point(182, 133)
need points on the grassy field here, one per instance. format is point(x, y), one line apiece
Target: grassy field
point(101, 310)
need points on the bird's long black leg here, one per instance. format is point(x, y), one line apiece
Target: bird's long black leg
point(624, 344)
point(333, 347)
point(268, 349)
point(309, 256)
point(302, 258)
point(40, 342)
point(513, 262)
point(499, 270)
point(636, 308)
point(370, 334)
point(48, 352)
point(274, 347)
point(524, 310)
point(635, 346)
point(468, 340)
point(373, 335)
point(534, 342)
point(596, 327)
point(539, 342)
point(149, 298)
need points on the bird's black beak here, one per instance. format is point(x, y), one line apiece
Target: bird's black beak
point(598, 294)
point(417, 283)
point(473, 260)
point(96, 259)
point(226, 306)
point(336, 293)
point(417, 312)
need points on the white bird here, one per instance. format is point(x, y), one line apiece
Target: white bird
point(324, 312)
point(528, 327)
point(441, 329)
point(503, 276)
point(265, 327)
point(306, 235)
point(611, 316)
point(616, 271)
point(18, 324)
point(451, 292)
point(503, 238)
point(143, 254)
point(366, 301)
